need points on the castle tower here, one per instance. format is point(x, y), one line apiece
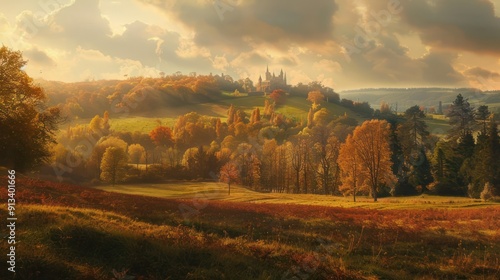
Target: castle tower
point(268, 74)
point(284, 79)
point(260, 82)
point(281, 74)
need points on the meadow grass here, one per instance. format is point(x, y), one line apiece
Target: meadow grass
point(73, 232)
point(219, 191)
point(295, 107)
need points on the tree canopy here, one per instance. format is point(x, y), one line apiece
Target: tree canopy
point(27, 124)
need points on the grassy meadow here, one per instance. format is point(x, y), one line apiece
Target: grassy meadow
point(219, 191)
point(295, 107)
point(73, 232)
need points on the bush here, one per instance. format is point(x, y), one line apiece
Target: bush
point(474, 190)
point(487, 193)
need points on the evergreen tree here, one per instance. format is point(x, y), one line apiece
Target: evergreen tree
point(461, 117)
point(446, 166)
point(482, 115)
point(415, 168)
point(421, 174)
point(484, 167)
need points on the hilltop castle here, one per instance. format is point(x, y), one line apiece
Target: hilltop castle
point(272, 82)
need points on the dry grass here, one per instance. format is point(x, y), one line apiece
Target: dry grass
point(79, 233)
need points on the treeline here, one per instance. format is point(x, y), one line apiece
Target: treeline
point(140, 94)
point(86, 99)
point(266, 151)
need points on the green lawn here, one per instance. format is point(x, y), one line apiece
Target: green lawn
point(219, 191)
point(142, 124)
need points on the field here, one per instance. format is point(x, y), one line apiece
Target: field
point(295, 107)
point(219, 191)
point(73, 232)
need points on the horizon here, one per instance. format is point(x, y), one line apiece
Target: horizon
point(344, 45)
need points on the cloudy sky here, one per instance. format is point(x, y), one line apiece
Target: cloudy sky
point(345, 44)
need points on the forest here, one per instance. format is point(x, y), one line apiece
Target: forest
point(267, 151)
point(384, 154)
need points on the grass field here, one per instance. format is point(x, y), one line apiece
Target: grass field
point(73, 232)
point(295, 107)
point(219, 191)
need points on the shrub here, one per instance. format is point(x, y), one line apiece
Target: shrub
point(487, 193)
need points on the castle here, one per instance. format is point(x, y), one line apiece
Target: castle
point(271, 82)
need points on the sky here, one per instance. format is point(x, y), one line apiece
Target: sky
point(345, 44)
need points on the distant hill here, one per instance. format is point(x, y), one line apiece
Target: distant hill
point(427, 97)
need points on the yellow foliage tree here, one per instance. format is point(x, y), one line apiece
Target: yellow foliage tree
point(113, 165)
point(373, 153)
point(352, 178)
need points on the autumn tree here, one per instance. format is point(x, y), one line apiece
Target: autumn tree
point(255, 116)
point(231, 115)
point(310, 118)
point(352, 177)
point(321, 117)
point(229, 173)
point(136, 153)
point(27, 125)
point(162, 136)
point(268, 159)
point(278, 96)
point(373, 153)
point(100, 148)
point(113, 165)
point(298, 161)
point(325, 150)
point(315, 97)
point(268, 109)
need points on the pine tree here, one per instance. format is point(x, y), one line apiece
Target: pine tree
point(483, 114)
point(461, 117)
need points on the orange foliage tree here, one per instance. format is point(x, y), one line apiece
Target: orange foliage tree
point(352, 177)
point(229, 173)
point(162, 136)
point(316, 97)
point(371, 146)
point(278, 96)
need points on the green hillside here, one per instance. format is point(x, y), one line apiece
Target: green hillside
point(295, 107)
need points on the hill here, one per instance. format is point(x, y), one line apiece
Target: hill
point(72, 232)
point(427, 97)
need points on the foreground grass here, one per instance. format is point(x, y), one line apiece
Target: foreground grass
point(218, 191)
point(71, 232)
